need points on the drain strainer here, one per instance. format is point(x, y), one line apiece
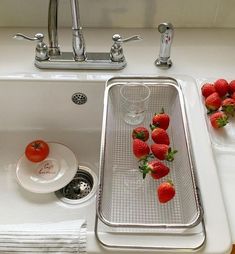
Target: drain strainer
point(80, 189)
point(79, 98)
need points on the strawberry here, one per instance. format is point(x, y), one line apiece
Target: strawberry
point(228, 106)
point(140, 133)
point(233, 95)
point(140, 149)
point(163, 152)
point(156, 168)
point(165, 191)
point(160, 136)
point(161, 120)
point(218, 119)
point(232, 87)
point(221, 87)
point(207, 89)
point(213, 102)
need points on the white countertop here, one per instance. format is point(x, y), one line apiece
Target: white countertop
point(199, 53)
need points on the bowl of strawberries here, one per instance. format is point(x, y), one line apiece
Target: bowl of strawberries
point(219, 103)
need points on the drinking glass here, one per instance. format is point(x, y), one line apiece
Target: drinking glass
point(134, 102)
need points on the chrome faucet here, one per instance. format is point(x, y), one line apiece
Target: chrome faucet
point(167, 34)
point(78, 58)
point(54, 49)
point(78, 39)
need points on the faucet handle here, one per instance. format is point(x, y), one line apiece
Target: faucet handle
point(117, 38)
point(37, 37)
point(116, 52)
point(41, 48)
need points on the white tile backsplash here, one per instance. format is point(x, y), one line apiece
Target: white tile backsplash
point(226, 14)
point(122, 13)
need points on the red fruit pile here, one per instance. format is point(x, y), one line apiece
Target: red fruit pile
point(219, 101)
point(151, 163)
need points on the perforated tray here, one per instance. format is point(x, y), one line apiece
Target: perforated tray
point(125, 199)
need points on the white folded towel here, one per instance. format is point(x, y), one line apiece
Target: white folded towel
point(57, 238)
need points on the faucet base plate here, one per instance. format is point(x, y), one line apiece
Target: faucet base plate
point(94, 61)
point(163, 65)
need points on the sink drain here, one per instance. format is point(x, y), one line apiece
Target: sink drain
point(80, 189)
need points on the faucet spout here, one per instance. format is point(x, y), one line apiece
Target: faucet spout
point(78, 39)
point(78, 42)
point(54, 49)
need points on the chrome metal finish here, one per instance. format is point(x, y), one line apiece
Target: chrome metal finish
point(117, 165)
point(121, 183)
point(95, 61)
point(167, 34)
point(41, 51)
point(37, 37)
point(78, 41)
point(192, 239)
point(54, 49)
point(80, 189)
point(78, 59)
point(79, 98)
point(116, 52)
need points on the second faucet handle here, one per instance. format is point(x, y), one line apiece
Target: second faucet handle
point(116, 52)
point(41, 48)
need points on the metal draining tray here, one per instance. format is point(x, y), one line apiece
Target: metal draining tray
point(125, 199)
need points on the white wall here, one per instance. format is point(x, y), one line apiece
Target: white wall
point(122, 13)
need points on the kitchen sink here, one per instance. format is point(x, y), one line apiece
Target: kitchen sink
point(45, 110)
point(69, 111)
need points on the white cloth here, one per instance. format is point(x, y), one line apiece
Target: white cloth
point(56, 238)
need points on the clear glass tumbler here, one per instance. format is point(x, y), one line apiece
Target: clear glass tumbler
point(134, 102)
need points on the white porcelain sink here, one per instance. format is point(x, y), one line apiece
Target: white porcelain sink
point(35, 108)
point(32, 110)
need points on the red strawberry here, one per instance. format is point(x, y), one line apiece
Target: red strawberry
point(218, 119)
point(233, 95)
point(213, 102)
point(160, 136)
point(232, 87)
point(221, 87)
point(156, 168)
point(161, 120)
point(140, 149)
point(140, 133)
point(207, 89)
point(165, 192)
point(163, 152)
point(228, 106)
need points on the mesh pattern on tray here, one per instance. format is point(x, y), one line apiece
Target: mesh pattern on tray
point(126, 197)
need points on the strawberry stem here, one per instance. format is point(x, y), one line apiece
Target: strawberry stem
point(229, 109)
point(139, 135)
point(152, 127)
point(144, 169)
point(170, 182)
point(170, 154)
point(162, 111)
point(222, 121)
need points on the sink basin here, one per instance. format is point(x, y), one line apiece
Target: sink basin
point(32, 109)
point(42, 108)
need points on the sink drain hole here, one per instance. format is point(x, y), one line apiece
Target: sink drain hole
point(79, 98)
point(80, 189)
